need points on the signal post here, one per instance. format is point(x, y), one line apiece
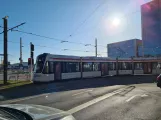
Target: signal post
point(31, 59)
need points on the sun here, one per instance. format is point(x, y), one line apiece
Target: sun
point(116, 22)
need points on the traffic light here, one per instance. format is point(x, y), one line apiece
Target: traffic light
point(32, 50)
point(32, 54)
point(29, 61)
point(32, 47)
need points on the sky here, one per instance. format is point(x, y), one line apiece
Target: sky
point(80, 21)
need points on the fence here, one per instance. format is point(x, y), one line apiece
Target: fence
point(17, 76)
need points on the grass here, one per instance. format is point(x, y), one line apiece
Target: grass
point(13, 83)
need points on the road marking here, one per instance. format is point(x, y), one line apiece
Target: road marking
point(81, 92)
point(131, 98)
point(144, 95)
point(94, 101)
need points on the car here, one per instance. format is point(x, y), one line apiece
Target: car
point(158, 81)
point(32, 112)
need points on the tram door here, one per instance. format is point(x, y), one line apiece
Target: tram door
point(57, 74)
point(104, 68)
point(147, 68)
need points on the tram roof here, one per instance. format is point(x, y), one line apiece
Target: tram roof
point(97, 58)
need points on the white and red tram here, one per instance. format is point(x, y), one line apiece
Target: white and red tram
point(50, 67)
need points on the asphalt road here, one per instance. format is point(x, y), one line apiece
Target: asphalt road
point(142, 102)
point(117, 102)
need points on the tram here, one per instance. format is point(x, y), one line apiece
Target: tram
point(51, 67)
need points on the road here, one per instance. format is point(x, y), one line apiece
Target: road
point(116, 102)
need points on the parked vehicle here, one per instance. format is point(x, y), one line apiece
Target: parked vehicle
point(159, 81)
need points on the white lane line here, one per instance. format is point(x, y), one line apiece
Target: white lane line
point(144, 95)
point(131, 98)
point(96, 100)
point(81, 92)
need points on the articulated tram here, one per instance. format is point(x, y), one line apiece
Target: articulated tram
point(60, 67)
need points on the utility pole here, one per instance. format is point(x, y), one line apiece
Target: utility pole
point(5, 50)
point(31, 57)
point(5, 54)
point(96, 46)
point(107, 51)
point(20, 51)
point(31, 62)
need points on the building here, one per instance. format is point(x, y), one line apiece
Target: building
point(17, 65)
point(125, 49)
point(1, 65)
point(151, 28)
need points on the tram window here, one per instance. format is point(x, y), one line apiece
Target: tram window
point(39, 65)
point(96, 66)
point(63, 67)
point(46, 68)
point(77, 67)
point(112, 66)
point(120, 66)
point(138, 66)
point(154, 65)
point(159, 65)
point(51, 67)
point(70, 67)
point(125, 66)
point(129, 66)
point(87, 67)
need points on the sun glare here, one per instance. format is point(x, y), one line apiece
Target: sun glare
point(116, 21)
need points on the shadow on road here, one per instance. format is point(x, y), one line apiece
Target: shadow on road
point(103, 82)
point(66, 85)
point(127, 90)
